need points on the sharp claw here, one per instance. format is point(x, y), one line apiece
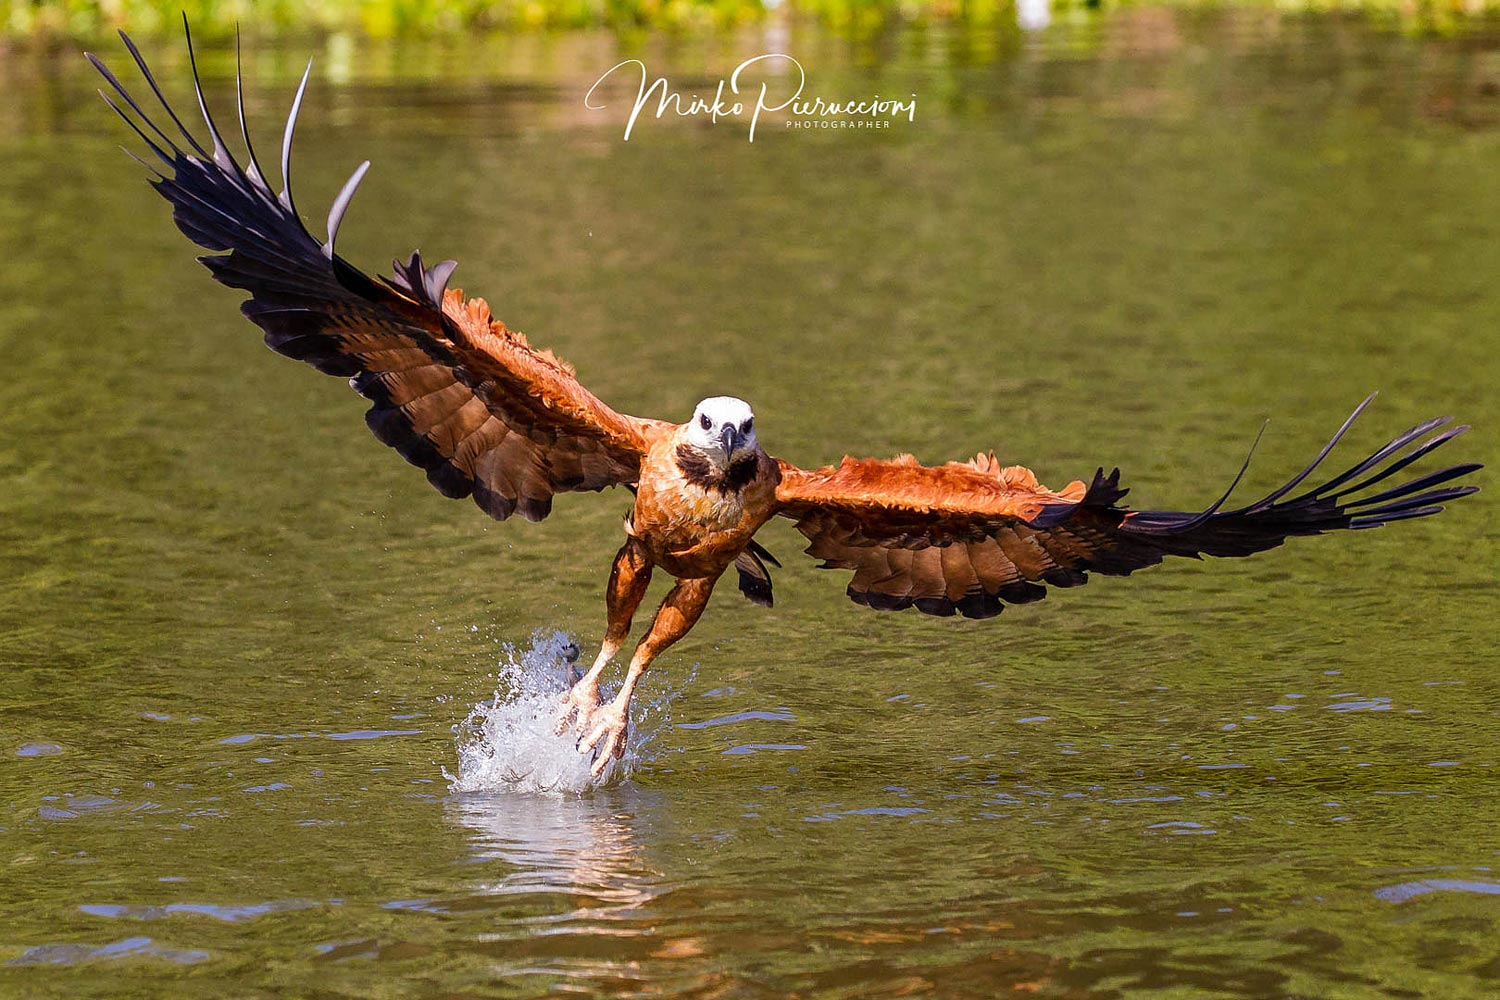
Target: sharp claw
point(577, 711)
point(608, 751)
point(605, 742)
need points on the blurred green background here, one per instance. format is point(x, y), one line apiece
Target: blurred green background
point(381, 18)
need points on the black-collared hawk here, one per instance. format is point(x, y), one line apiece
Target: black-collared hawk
point(488, 416)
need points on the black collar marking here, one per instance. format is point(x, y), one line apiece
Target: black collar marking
point(699, 471)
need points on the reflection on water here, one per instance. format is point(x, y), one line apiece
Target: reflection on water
point(239, 641)
point(588, 846)
point(578, 895)
point(1033, 15)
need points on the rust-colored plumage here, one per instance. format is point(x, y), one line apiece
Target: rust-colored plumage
point(486, 415)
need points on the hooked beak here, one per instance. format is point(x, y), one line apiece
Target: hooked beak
point(730, 438)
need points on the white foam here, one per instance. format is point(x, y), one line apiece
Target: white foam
point(510, 743)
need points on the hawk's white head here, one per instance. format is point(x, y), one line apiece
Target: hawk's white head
point(723, 428)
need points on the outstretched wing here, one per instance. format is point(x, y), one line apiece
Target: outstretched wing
point(453, 390)
point(969, 537)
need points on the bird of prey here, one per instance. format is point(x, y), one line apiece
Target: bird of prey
point(488, 416)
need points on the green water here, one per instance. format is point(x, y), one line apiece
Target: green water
point(236, 632)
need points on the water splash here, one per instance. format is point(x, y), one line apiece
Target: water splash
point(510, 744)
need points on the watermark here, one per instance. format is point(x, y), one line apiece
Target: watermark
point(743, 99)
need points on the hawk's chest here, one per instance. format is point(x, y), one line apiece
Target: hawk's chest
point(691, 503)
point(673, 506)
point(714, 509)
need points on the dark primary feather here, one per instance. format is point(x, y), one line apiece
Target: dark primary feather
point(466, 400)
point(944, 560)
point(1271, 520)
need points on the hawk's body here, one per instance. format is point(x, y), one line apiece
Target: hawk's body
point(487, 416)
point(691, 526)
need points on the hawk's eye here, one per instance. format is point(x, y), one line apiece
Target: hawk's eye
point(745, 427)
point(705, 422)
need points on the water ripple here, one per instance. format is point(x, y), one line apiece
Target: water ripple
point(228, 914)
point(780, 715)
point(132, 947)
point(357, 734)
point(1410, 890)
point(745, 749)
point(830, 817)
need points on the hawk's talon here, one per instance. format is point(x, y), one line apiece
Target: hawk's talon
point(579, 706)
point(607, 739)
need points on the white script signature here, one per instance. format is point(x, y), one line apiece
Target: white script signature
point(876, 111)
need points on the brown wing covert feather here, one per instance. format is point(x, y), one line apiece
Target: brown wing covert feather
point(968, 538)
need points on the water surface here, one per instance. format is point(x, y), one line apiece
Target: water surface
point(240, 639)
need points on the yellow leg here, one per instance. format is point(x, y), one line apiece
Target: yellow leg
point(674, 619)
point(628, 579)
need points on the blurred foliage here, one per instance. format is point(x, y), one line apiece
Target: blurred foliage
point(384, 18)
